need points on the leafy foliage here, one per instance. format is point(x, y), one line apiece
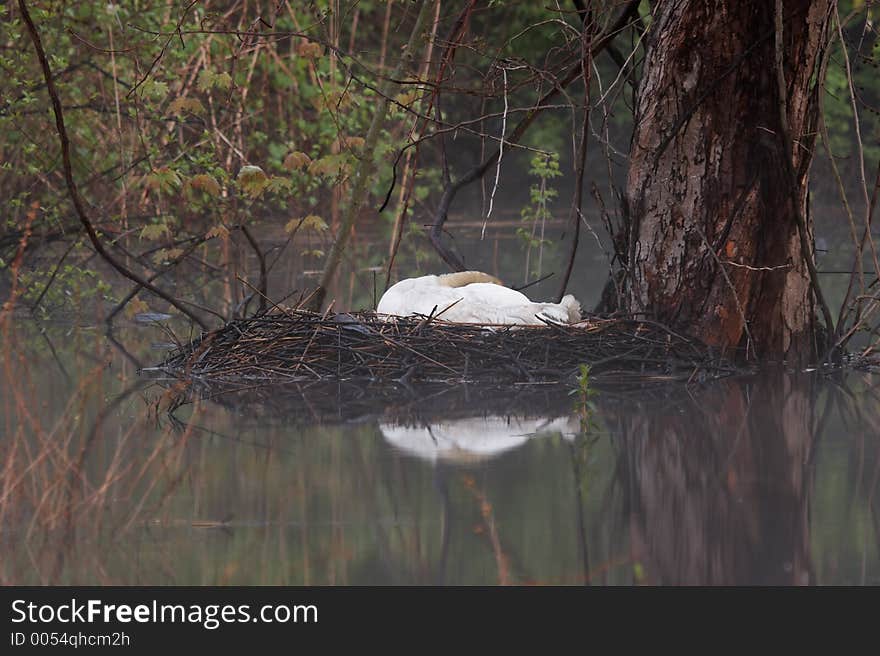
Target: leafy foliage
point(538, 211)
point(168, 107)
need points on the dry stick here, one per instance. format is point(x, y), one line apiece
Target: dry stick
point(266, 299)
point(262, 259)
point(793, 187)
point(872, 304)
point(409, 179)
point(385, 25)
point(500, 156)
point(367, 163)
point(410, 167)
point(869, 209)
point(122, 154)
point(858, 270)
point(586, 72)
point(476, 173)
point(78, 203)
point(176, 32)
point(456, 33)
point(750, 341)
point(858, 132)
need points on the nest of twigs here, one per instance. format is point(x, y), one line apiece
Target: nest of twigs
point(298, 346)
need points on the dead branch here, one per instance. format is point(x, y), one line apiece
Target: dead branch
point(452, 188)
point(300, 346)
point(587, 29)
point(794, 187)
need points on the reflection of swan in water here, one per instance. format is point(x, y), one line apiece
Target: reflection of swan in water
point(473, 297)
point(473, 438)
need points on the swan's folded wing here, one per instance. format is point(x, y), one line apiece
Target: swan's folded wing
point(403, 301)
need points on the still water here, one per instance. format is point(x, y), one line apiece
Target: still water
point(765, 480)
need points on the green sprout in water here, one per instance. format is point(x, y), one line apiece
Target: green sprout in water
point(583, 392)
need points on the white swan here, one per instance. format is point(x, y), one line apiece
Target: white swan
point(473, 439)
point(473, 297)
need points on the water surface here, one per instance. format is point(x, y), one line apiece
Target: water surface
point(768, 479)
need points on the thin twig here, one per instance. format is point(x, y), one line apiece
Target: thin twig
point(795, 188)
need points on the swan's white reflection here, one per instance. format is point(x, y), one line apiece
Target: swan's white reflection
point(474, 438)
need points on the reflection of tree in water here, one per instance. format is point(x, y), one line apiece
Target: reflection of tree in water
point(717, 487)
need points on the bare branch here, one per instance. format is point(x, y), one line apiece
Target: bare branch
point(452, 188)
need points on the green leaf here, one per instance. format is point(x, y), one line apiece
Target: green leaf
point(165, 255)
point(205, 80)
point(206, 183)
point(154, 89)
point(406, 99)
point(183, 105)
point(223, 80)
point(163, 180)
point(208, 80)
point(279, 185)
point(154, 231)
point(310, 50)
point(296, 161)
point(252, 180)
point(346, 143)
point(217, 231)
point(315, 222)
point(330, 165)
point(135, 306)
point(310, 222)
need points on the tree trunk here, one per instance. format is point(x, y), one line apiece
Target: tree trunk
point(713, 242)
point(717, 489)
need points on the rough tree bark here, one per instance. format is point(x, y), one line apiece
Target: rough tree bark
point(713, 241)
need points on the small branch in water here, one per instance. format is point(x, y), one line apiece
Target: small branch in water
point(133, 292)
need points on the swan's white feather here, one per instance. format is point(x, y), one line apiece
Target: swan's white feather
point(476, 302)
point(474, 438)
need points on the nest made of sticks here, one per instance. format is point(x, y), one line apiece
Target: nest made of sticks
point(299, 346)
